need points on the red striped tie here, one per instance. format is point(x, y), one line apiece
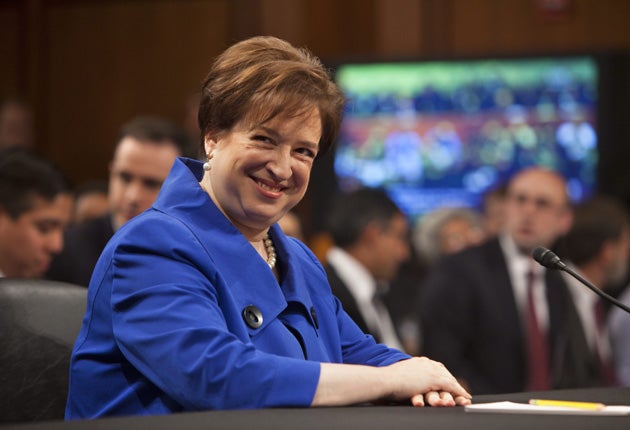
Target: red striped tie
point(606, 365)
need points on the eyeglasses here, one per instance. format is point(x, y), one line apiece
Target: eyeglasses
point(540, 203)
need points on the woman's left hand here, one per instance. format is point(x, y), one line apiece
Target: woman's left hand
point(439, 398)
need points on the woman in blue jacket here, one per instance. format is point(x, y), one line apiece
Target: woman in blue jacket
point(202, 302)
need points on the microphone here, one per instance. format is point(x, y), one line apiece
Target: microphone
point(550, 260)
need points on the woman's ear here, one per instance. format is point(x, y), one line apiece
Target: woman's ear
point(209, 143)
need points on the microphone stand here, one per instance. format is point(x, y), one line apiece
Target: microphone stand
point(548, 259)
point(596, 290)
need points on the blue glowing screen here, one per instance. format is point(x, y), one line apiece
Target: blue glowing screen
point(443, 133)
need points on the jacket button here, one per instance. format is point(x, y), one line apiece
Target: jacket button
point(252, 316)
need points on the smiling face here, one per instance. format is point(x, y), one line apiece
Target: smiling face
point(259, 172)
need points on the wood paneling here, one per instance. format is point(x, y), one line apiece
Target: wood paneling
point(398, 27)
point(337, 29)
point(9, 48)
point(509, 27)
point(284, 19)
point(109, 62)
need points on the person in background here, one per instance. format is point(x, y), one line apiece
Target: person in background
point(35, 207)
point(440, 232)
point(597, 247)
point(490, 312)
point(144, 154)
point(202, 302)
point(370, 235)
point(619, 327)
point(445, 231)
point(91, 201)
point(16, 123)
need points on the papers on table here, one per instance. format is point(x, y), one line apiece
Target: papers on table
point(524, 408)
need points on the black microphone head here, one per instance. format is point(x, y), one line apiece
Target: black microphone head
point(547, 258)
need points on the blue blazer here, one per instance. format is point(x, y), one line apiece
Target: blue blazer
point(169, 322)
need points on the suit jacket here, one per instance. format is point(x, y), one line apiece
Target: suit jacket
point(471, 322)
point(183, 314)
point(83, 244)
point(341, 291)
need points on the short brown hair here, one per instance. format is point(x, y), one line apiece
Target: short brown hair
point(261, 77)
point(596, 221)
point(158, 131)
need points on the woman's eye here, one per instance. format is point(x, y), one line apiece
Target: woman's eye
point(262, 138)
point(306, 151)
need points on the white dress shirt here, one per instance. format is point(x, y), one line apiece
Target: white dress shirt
point(518, 267)
point(585, 300)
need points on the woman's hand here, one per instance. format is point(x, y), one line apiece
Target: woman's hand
point(443, 398)
point(419, 380)
point(425, 381)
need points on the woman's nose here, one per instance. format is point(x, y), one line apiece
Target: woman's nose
point(280, 164)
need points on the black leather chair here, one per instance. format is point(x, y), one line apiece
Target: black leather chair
point(39, 321)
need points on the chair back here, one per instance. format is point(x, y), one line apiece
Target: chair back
point(39, 321)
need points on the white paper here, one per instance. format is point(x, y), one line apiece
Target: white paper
point(524, 408)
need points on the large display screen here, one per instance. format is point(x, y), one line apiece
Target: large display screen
point(443, 133)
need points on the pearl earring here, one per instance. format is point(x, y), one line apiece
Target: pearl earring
point(206, 165)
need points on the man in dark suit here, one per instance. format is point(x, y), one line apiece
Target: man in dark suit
point(492, 315)
point(597, 247)
point(144, 154)
point(370, 235)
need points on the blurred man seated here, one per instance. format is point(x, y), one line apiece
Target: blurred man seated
point(144, 154)
point(35, 207)
point(597, 247)
point(370, 234)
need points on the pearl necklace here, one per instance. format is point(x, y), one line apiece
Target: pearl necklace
point(271, 251)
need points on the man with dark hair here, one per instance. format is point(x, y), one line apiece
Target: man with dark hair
point(597, 247)
point(35, 207)
point(144, 154)
point(370, 236)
